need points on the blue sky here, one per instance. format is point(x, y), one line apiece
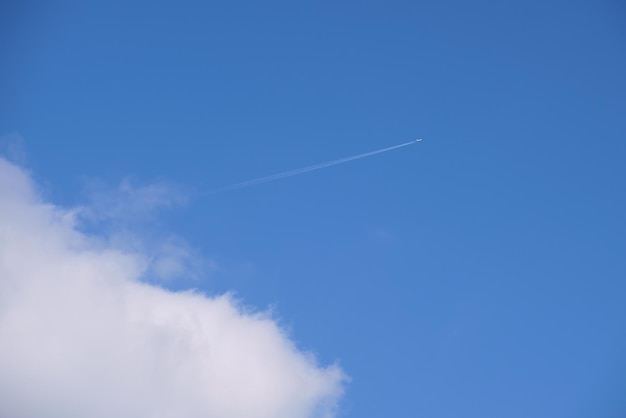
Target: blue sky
point(478, 273)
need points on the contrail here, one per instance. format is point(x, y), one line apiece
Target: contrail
point(303, 170)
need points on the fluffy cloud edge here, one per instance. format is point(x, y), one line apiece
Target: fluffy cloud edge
point(82, 335)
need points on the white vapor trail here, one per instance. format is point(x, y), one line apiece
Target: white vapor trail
point(303, 170)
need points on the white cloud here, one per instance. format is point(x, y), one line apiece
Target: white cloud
point(82, 336)
point(129, 202)
point(118, 213)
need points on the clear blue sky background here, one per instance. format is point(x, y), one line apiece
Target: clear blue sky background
point(479, 273)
